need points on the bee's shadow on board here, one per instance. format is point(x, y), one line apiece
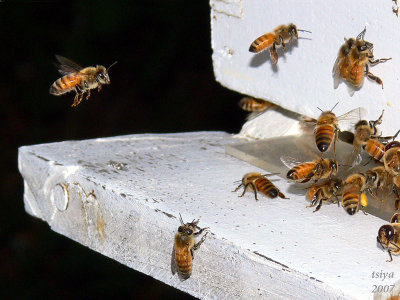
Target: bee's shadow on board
point(261, 58)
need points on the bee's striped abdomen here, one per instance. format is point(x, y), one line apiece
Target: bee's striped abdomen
point(263, 42)
point(324, 136)
point(65, 84)
point(350, 200)
point(375, 149)
point(266, 187)
point(183, 259)
point(302, 171)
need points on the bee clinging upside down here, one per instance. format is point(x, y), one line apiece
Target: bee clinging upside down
point(78, 79)
point(259, 183)
point(185, 245)
point(251, 104)
point(353, 61)
point(389, 236)
point(281, 35)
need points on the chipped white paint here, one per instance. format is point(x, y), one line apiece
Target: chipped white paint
point(128, 210)
point(302, 80)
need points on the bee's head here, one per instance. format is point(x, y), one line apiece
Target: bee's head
point(385, 234)
point(292, 30)
point(102, 75)
point(185, 230)
point(333, 164)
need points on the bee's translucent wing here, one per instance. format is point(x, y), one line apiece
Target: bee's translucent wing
point(67, 66)
point(354, 158)
point(307, 124)
point(349, 119)
point(336, 72)
point(289, 161)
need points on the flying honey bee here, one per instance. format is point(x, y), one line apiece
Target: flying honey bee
point(389, 236)
point(251, 104)
point(353, 61)
point(353, 193)
point(259, 183)
point(78, 79)
point(319, 193)
point(326, 127)
point(320, 168)
point(185, 245)
point(281, 35)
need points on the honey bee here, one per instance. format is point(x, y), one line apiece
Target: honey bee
point(389, 236)
point(320, 168)
point(325, 191)
point(366, 136)
point(353, 193)
point(377, 179)
point(353, 61)
point(184, 246)
point(281, 35)
point(259, 183)
point(78, 79)
point(391, 158)
point(326, 127)
point(255, 105)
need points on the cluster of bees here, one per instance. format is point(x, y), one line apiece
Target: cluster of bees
point(353, 62)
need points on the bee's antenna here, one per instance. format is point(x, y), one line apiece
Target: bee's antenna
point(270, 174)
point(180, 218)
point(362, 34)
point(334, 106)
point(304, 30)
point(320, 109)
point(113, 64)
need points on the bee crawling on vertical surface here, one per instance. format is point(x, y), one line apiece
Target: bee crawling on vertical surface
point(185, 245)
point(78, 79)
point(353, 61)
point(389, 236)
point(259, 183)
point(281, 35)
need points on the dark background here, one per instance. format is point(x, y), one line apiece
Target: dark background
point(163, 82)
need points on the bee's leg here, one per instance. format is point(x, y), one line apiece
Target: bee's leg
point(78, 96)
point(337, 200)
point(197, 246)
point(255, 190)
point(245, 189)
point(390, 254)
point(373, 77)
point(88, 94)
point(99, 87)
point(274, 54)
point(305, 180)
point(200, 231)
point(282, 42)
point(239, 186)
point(319, 206)
point(378, 61)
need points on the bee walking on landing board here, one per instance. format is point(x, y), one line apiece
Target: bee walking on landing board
point(259, 183)
point(185, 245)
point(281, 35)
point(78, 79)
